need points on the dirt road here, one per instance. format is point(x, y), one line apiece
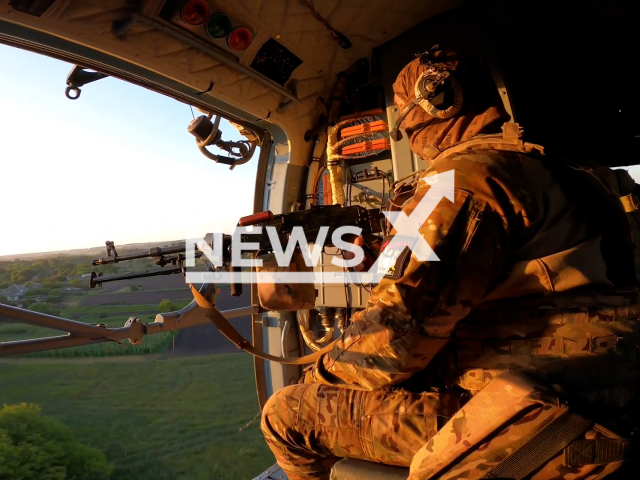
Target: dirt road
point(154, 290)
point(206, 339)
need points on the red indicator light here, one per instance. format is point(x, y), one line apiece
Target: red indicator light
point(239, 38)
point(218, 26)
point(195, 12)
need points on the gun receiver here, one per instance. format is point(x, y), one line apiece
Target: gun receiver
point(331, 216)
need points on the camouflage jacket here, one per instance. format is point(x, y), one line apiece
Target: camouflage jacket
point(519, 232)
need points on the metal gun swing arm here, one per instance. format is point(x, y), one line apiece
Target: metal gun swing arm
point(79, 334)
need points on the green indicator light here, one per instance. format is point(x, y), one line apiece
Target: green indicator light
point(218, 26)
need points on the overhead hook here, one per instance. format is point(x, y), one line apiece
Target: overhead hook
point(76, 93)
point(78, 77)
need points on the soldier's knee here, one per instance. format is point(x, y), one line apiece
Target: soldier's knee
point(276, 414)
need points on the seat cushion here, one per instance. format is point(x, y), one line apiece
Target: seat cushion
point(352, 469)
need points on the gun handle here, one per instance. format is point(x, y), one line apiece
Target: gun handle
point(236, 287)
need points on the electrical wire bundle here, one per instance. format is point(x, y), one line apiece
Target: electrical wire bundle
point(362, 137)
point(350, 139)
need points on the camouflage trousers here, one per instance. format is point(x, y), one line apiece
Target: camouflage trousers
point(311, 426)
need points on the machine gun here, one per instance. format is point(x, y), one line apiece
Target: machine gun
point(174, 256)
point(332, 216)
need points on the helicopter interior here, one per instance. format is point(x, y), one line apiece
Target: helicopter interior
point(285, 70)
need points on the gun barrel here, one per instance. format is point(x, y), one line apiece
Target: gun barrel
point(97, 280)
point(153, 252)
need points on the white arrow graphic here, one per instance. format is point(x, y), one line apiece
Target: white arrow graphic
point(442, 186)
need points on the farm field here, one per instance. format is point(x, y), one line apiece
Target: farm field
point(166, 409)
point(152, 291)
point(173, 419)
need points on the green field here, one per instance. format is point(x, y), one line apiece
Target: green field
point(174, 419)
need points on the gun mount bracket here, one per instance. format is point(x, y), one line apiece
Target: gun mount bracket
point(137, 329)
point(79, 77)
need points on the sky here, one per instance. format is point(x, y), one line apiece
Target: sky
point(117, 164)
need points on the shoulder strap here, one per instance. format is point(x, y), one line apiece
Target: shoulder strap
point(541, 448)
point(508, 140)
point(239, 341)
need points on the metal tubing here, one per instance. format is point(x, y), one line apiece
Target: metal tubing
point(283, 338)
point(41, 344)
point(63, 341)
point(100, 334)
point(239, 312)
point(211, 50)
point(314, 167)
point(49, 321)
point(50, 343)
point(307, 334)
point(192, 315)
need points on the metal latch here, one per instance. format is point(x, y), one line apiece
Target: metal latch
point(630, 203)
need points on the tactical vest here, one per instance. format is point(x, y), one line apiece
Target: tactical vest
point(591, 342)
point(581, 350)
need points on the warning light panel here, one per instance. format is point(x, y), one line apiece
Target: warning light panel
point(202, 19)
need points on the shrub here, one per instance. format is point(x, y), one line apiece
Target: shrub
point(167, 306)
point(34, 447)
point(27, 302)
point(22, 276)
point(4, 299)
point(43, 307)
point(37, 291)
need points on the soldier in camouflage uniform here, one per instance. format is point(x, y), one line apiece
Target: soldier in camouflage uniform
point(536, 273)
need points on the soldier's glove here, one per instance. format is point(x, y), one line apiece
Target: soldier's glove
point(370, 254)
